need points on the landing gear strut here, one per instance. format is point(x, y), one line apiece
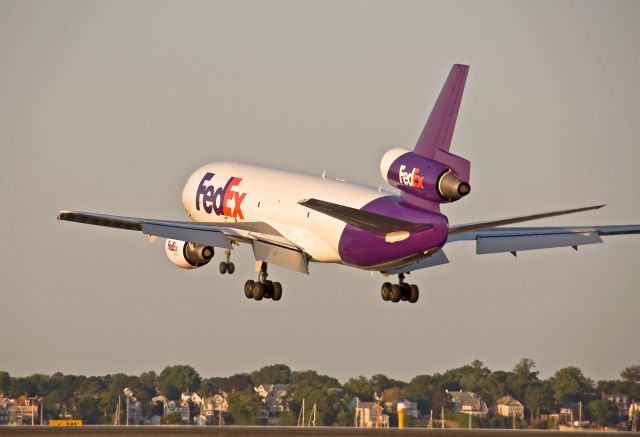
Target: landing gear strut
point(400, 291)
point(227, 266)
point(263, 288)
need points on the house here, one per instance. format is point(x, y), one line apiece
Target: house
point(468, 402)
point(509, 407)
point(135, 412)
point(24, 411)
point(213, 408)
point(275, 400)
point(621, 401)
point(274, 396)
point(368, 414)
point(180, 407)
point(4, 415)
point(410, 408)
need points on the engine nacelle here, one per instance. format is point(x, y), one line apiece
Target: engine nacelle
point(188, 255)
point(432, 180)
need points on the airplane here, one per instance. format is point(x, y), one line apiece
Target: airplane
point(292, 219)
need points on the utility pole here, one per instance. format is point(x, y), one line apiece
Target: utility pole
point(580, 415)
point(430, 419)
point(513, 419)
point(301, 415)
point(355, 418)
point(470, 420)
point(127, 410)
point(442, 417)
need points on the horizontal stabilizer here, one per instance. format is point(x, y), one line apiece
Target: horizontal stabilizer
point(369, 221)
point(458, 229)
point(513, 240)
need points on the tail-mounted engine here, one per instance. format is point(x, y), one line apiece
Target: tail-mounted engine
point(444, 179)
point(188, 255)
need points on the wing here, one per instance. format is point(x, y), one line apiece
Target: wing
point(268, 244)
point(453, 230)
point(513, 240)
point(369, 221)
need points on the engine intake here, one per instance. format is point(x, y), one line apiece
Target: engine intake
point(187, 255)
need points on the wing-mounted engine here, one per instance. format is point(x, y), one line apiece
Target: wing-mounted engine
point(439, 180)
point(188, 255)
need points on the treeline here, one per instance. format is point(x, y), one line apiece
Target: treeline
point(94, 398)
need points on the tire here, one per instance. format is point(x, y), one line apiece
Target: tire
point(406, 290)
point(277, 291)
point(385, 291)
point(248, 289)
point(223, 267)
point(396, 293)
point(231, 268)
point(414, 293)
point(258, 291)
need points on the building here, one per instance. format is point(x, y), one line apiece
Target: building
point(180, 407)
point(410, 408)
point(510, 407)
point(274, 396)
point(214, 407)
point(275, 400)
point(24, 411)
point(468, 402)
point(4, 415)
point(369, 414)
point(621, 401)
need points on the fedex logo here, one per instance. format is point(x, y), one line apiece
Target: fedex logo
point(223, 200)
point(412, 178)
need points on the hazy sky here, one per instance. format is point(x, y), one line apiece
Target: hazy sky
point(109, 106)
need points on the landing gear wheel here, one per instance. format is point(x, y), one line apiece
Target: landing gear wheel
point(405, 291)
point(268, 289)
point(248, 289)
point(385, 291)
point(258, 291)
point(277, 291)
point(223, 267)
point(396, 293)
point(414, 293)
point(231, 268)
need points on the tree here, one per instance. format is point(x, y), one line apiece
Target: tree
point(172, 419)
point(273, 374)
point(570, 385)
point(175, 379)
point(536, 397)
point(421, 389)
point(523, 375)
point(5, 380)
point(239, 382)
point(603, 412)
point(243, 406)
point(360, 387)
point(631, 373)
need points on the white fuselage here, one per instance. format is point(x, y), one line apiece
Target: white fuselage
point(259, 194)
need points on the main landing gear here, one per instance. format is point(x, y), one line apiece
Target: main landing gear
point(227, 266)
point(263, 288)
point(400, 291)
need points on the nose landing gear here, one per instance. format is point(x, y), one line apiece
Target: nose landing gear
point(400, 291)
point(263, 288)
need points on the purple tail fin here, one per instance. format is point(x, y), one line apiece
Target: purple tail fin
point(438, 131)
